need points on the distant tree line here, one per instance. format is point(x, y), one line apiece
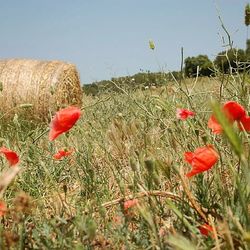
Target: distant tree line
point(141, 80)
point(228, 61)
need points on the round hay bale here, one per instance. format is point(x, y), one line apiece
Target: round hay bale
point(45, 86)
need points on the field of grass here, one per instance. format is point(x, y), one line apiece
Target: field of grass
point(124, 186)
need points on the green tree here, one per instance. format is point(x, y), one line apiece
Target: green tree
point(247, 17)
point(230, 60)
point(248, 50)
point(247, 23)
point(201, 62)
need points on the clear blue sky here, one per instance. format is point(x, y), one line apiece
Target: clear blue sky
point(109, 38)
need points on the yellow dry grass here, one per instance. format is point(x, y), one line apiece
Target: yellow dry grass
point(45, 85)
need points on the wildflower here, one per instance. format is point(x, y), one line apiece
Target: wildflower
point(206, 230)
point(10, 155)
point(233, 111)
point(202, 159)
point(130, 203)
point(3, 208)
point(183, 114)
point(128, 212)
point(244, 123)
point(63, 121)
point(62, 153)
point(214, 125)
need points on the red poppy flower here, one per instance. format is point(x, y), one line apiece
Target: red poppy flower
point(10, 155)
point(3, 208)
point(62, 153)
point(130, 203)
point(63, 121)
point(183, 114)
point(206, 230)
point(202, 159)
point(214, 125)
point(233, 111)
point(244, 123)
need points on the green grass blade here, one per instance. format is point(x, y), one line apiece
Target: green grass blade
point(229, 132)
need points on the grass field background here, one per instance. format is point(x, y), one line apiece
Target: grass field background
point(129, 145)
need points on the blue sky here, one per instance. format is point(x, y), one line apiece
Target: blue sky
point(109, 38)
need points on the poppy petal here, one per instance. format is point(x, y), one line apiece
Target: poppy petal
point(193, 172)
point(203, 159)
point(63, 121)
point(234, 110)
point(130, 203)
point(214, 125)
point(206, 230)
point(10, 155)
point(53, 134)
point(244, 123)
point(62, 153)
point(3, 208)
point(183, 114)
point(189, 157)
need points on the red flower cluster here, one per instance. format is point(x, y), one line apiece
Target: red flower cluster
point(183, 114)
point(63, 121)
point(234, 112)
point(204, 158)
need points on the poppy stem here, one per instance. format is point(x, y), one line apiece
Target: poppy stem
point(190, 196)
point(39, 136)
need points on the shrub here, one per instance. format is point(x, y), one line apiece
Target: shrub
point(230, 60)
point(202, 62)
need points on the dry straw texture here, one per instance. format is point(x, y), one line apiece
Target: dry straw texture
point(46, 85)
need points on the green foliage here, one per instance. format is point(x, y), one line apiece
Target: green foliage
point(248, 50)
point(199, 64)
point(247, 15)
point(91, 89)
point(134, 82)
point(232, 60)
point(129, 145)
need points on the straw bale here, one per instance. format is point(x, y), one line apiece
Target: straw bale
point(46, 85)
